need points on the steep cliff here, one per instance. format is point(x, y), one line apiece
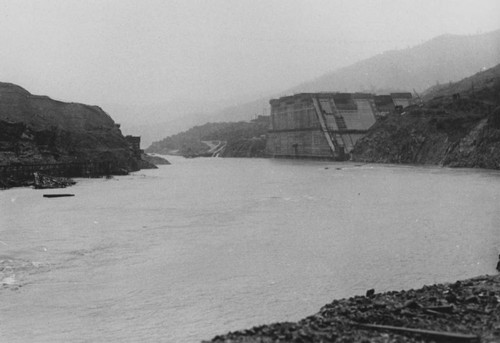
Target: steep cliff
point(458, 126)
point(37, 129)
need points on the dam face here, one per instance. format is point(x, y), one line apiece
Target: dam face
point(325, 125)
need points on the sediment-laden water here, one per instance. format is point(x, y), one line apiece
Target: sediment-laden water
point(206, 246)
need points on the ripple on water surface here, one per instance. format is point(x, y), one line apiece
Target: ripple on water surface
point(206, 246)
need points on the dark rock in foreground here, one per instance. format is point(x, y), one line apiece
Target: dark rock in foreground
point(464, 311)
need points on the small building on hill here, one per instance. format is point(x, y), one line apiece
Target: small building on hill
point(134, 143)
point(325, 125)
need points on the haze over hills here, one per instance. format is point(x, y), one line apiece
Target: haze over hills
point(441, 60)
point(484, 85)
point(156, 121)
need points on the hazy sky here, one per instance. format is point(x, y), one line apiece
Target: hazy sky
point(151, 52)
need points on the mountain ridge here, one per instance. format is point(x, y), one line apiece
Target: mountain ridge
point(445, 58)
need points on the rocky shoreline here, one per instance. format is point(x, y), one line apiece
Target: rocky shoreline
point(39, 134)
point(464, 311)
point(50, 181)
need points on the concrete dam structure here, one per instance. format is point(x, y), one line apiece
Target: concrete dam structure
point(326, 125)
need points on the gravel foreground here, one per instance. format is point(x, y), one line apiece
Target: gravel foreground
point(464, 311)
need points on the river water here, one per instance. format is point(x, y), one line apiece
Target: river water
point(206, 246)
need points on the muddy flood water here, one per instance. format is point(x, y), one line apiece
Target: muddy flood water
point(205, 246)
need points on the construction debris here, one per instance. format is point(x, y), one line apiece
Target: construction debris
point(42, 181)
point(464, 311)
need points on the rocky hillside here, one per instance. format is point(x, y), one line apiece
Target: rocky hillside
point(458, 125)
point(37, 129)
point(481, 85)
point(244, 139)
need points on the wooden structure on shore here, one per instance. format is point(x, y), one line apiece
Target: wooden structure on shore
point(325, 125)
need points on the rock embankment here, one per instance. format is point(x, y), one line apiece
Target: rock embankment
point(422, 136)
point(464, 311)
point(154, 159)
point(457, 126)
point(151, 162)
point(39, 130)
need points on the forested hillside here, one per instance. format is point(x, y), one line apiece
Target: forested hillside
point(190, 142)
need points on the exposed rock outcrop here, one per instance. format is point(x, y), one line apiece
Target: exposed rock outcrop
point(37, 129)
point(456, 129)
point(154, 160)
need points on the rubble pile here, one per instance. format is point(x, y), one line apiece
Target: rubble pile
point(464, 311)
point(42, 181)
